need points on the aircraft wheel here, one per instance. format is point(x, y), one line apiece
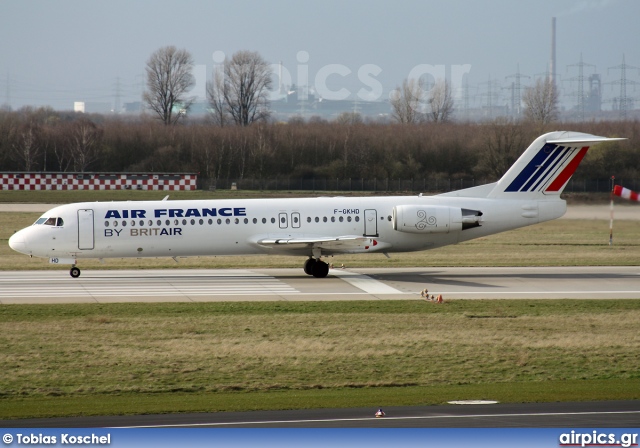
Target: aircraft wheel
point(320, 269)
point(74, 272)
point(308, 266)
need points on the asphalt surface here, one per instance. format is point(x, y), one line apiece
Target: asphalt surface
point(199, 285)
point(605, 414)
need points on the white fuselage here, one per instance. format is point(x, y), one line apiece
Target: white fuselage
point(234, 227)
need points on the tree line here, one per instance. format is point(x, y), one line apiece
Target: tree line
point(47, 140)
point(238, 92)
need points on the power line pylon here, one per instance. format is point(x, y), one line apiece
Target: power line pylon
point(580, 78)
point(516, 95)
point(624, 102)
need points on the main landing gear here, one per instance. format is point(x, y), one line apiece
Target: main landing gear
point(74, 272)
point(316, 267)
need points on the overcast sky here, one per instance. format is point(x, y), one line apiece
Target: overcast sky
point(57, 52)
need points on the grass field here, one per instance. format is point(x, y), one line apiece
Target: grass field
point(138, 358)
point(61, 360)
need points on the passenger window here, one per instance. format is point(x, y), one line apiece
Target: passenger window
point(115, 223)
point(237, 221)
point(341, 219)
point(349, 218)
point(60, 222)
point(246, 220)
point(201, 221)
point(333, 219)
point(142, 223)
point(317, 219)
point(184, 222)
point(219, 221)
point(273, 220)
point(308, 218)
point(106, 223)
point(357, 219)
point(264, 220)
point(324, 219)
point(210, 221)
point(255, 220)
point(124, 223)
point(133, 223)
point(228, 221)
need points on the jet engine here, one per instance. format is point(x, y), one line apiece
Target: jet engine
point(434, 218)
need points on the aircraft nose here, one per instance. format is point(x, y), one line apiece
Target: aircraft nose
point(18, 243)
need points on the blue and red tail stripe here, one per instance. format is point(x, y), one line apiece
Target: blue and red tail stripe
point(564, 176)
point(544, 168)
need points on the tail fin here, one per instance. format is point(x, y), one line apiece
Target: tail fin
point(546, 166)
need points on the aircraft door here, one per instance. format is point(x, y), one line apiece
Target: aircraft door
point(85, 229)
point(370, 222)
point(295, 220)
point(283, 220)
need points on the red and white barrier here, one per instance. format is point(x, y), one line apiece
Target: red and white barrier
point(98, 181)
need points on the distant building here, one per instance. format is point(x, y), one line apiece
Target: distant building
point(593, 102)
point(92, 107)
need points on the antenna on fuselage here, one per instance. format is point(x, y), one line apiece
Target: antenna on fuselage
point(165, 198)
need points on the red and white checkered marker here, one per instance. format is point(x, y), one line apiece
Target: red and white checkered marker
point(97, 181)
point(625, 193)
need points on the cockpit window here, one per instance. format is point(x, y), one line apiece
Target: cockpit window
point(58, 222)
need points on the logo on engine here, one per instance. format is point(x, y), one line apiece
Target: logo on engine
point(424, 220)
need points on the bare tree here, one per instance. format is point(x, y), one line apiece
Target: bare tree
point(406, 102)
point(541, 102)
point(440, 102)
point(503, 140)
point(349, 118)
point(27, 149)
point(215, 95)
point(243, 91)
point(169, 78)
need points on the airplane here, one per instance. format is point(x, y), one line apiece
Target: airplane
point(528, 193)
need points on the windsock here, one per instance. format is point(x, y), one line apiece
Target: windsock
point(619, 190)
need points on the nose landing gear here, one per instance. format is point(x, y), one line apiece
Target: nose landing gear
point(74, 272)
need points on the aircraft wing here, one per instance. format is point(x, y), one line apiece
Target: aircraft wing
point(341, 243)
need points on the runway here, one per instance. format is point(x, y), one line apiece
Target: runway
point(604, 414)
point(186, 285)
